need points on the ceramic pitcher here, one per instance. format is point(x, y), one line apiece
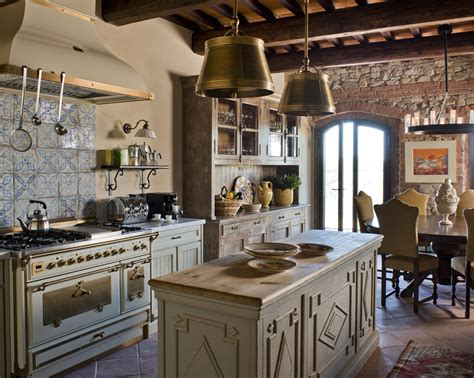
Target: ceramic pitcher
point(265, 193)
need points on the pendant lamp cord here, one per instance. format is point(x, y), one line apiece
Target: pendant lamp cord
point(445, 32)
point(306, 32)
point(235, 19)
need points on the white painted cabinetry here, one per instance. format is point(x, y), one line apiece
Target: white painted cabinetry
point(175, 250)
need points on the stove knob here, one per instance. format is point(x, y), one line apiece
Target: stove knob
point(98, 255)
point(89, 257)
point(136, 247)
point(80, 259)
point(114, 252)
point(71, 261)
point(122, 250)
point(52, 265)
point(143, 246)
point(62, 262)
point(106, 254)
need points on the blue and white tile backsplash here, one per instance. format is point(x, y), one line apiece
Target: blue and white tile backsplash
point(58, 170)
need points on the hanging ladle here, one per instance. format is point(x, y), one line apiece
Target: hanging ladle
point(36, 119)
point(20, 139)
point(58, 128)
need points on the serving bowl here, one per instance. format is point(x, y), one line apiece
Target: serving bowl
point(271, 250)
point(252, 207)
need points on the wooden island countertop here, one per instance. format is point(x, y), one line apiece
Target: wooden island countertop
point(225, 319)
point(231, 279)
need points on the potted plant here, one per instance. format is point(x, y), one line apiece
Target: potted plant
point(283, 187)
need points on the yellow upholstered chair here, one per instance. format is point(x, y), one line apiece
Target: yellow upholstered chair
point(365, 209)
point(466, 201)
point(398, 224)
point(413, 198)
point(464, 265)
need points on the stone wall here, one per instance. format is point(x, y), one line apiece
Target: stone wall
point(385, 92)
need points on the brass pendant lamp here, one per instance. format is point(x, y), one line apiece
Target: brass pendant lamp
point(234, 66)
point(307, 92)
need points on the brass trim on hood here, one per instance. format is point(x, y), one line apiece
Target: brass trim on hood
point(75, 88)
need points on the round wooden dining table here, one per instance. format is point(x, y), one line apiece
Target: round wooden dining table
point(445, 240)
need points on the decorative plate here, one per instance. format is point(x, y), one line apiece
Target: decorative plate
point(244, 186)
point(271, 265)
point(271, 250)
point(313, 249)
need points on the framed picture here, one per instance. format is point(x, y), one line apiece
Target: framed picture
point(430, 162)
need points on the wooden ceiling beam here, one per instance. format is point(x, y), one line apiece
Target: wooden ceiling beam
point(360, 38)
point(387, 35)
point(328, 5)
point(123, 12)
point(257, 7)
point(206, 19)
point(361, 2)
point(184, 22)
point(345, 22)
point(379, 52)
point(416, 32)
point(228, 11)
point(293, 6)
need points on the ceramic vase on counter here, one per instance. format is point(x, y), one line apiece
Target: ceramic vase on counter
point(283, 197)
point(446, 201)
point(265, 193)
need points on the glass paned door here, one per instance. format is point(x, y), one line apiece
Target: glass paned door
point(249, 127)
point(353, 156)
point(275, 142)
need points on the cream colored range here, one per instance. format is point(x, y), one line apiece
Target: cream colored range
point(224, 319)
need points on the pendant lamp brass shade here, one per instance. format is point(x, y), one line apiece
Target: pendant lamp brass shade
point(307, 93)
point(234, 66)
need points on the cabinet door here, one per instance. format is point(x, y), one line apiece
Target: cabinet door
point(366, 305)
point(3, 356)
point(229, 247)
point(282, 342)
point(276, 137)
point(297, 227)
point(250, 146)
point(189, 255)
point(331, 322)
point(281, 231)
point(162, 262)
point(227, 142)
point(292, 148)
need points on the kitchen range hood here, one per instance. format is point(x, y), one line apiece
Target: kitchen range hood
point(47, 35)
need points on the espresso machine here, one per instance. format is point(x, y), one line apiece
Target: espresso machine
point(163, 203)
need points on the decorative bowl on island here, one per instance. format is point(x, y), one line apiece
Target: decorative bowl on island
point(271, 250)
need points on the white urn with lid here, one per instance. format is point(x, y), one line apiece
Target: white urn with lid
point(446, 201)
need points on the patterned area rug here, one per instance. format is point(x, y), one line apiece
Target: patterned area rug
point(432, 361)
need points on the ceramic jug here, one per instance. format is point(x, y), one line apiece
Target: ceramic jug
point(265, 193)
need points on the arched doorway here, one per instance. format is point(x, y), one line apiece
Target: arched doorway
point(353, 155)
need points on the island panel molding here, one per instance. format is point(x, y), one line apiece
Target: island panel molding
point(317, 319)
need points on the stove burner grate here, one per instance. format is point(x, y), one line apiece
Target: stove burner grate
point(36, 239)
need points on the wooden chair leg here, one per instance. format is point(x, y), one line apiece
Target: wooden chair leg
point(454, 281)
point(435, 286)
point(468, 290)
point(396, 278)
point(384, 282)
point(416, 293)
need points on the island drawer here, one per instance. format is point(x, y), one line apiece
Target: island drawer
point(177, 237)
point(248, 227)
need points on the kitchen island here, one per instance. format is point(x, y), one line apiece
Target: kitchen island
point(225, 319)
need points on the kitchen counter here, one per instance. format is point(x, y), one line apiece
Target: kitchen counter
point(251, 317)
point(183, 222)
point(243, 215)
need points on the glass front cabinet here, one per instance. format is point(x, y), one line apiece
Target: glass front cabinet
point(252, 131)
point(238, 131)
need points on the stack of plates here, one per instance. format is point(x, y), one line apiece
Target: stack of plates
point(270, 257)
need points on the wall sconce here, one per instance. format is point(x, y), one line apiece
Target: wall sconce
point(144, 132)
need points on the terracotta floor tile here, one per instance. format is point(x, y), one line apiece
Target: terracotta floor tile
point(118, 368)
point(129, 352)
point(389, 340)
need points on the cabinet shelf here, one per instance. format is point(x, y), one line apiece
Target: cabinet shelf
point(121, 168)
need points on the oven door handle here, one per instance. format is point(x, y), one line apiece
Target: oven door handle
point(44, 285)
point(80, 291)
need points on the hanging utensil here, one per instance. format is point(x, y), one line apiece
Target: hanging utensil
point(20, 139)
point(36, 119)
point(58, 128)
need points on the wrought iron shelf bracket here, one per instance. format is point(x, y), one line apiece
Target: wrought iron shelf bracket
point(457, 128)
point(145, 183)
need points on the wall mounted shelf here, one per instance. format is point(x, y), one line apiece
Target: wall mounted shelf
point(121, 168)
point(456, 128)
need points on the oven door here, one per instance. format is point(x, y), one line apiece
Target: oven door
point(136, 293)
point(66, 304)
